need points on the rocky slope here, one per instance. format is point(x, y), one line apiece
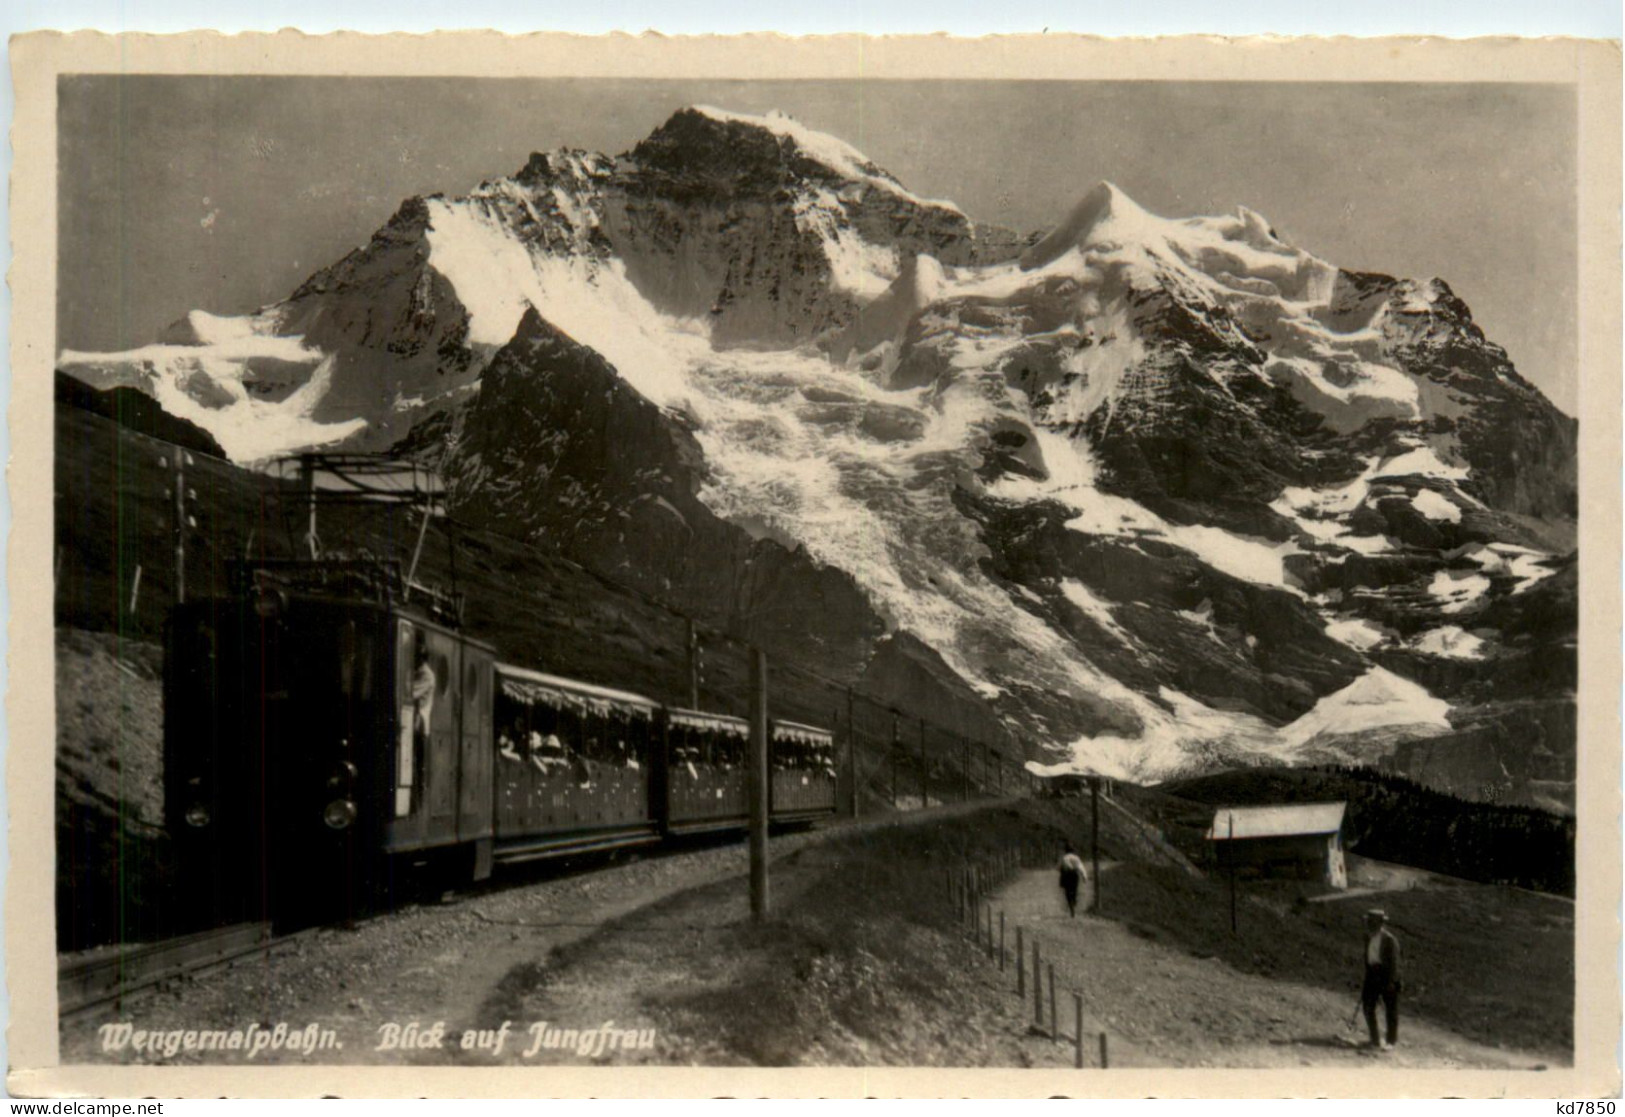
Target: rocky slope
point(1158, 494)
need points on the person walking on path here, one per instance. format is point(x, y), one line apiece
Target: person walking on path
point(1381, 978)
point(1072, 872)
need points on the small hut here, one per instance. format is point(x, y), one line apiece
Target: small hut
point(1303, 840)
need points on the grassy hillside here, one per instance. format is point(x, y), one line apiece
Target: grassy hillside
point(863, 961)
point(1492, 963)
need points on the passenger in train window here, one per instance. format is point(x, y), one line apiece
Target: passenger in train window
point(423, 682)
point(687, 753)
point(548, 753)
point(508, 744)
point(583, 762)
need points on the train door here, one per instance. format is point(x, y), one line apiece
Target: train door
point(427, 732)
point(445, 738)
point(475, 798)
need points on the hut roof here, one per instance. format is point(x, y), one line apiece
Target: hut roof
point(1285, 820)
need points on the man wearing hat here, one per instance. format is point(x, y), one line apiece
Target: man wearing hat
point(1381, 977)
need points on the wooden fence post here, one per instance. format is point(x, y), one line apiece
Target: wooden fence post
point(1038, 984)
point(1077, 1038)
point(1104, 1061)
point(1054, 1020)
point(1021, 966)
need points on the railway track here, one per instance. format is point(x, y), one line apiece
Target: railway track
point(103, 979)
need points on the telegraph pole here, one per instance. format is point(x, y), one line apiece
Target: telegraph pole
point(925, 772)
point(693, 665)
point(178, 459)
point(894, 747)
point(758, 784)
point(1231, 850)
point(852, 750)
point(1094, 833)
point(307, 479)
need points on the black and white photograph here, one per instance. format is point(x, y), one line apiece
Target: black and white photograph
point(1076, 576)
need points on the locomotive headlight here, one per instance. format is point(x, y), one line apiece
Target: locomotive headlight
point(343, 777)
point(197, 816)
point(339, 814)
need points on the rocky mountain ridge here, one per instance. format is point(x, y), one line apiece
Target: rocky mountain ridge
point(1159, 494)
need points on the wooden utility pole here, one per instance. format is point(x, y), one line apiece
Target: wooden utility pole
point(178, 459)
point(307, 478)
point(693, 665)
point(1232, 854)
point(1094, 834)
point(895, 746)
point(758, 784)
point(852, 750)
point(925, 771)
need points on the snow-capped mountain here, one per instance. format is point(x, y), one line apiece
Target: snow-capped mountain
point(1158, 493)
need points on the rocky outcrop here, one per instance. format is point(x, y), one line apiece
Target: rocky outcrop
point(559, 450)
point(135, 411)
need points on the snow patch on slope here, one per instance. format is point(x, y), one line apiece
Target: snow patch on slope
point(1457, 591)
point(1436, 507)
point(1379, 699)
point(1357, 632)
point(1449, 642)
point(496, 279)
point(1528, 566)
point(1095, 608)
point(1175, 730)
point(208, 385)
point(1071, 481)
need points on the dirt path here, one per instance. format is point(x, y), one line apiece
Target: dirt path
point(1162, 1006)
point(460, 964)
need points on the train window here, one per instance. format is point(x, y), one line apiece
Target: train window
point(441, 665)
point(635, 742)
point(568, 724)
point(543, 719)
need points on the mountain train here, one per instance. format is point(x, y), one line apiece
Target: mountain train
point(330, 733)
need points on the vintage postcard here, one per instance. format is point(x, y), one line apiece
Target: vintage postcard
point(928, 567)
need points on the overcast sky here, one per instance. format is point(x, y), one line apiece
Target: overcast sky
point(225, 193)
